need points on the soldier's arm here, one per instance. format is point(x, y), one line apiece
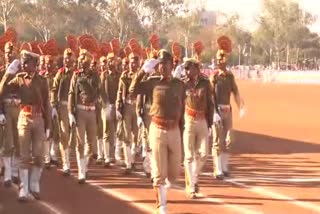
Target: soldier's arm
point(72, 94)
point(183, 99)
point(7, 80)
point(137, 85)
point(213, 97)
point(235, 91)
point(104, 89)
point(46, 105)
point(210, 104)
point(55, 88)
point(119, 101)
point(139, 106)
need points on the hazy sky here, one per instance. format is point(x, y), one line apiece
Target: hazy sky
point(249, 8)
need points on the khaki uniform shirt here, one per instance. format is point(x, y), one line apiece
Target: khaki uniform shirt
point(199, 97)
point(223, 85)
point(167, 95)
point(84, 90)
point(123, 90)
point(109, 87)
point(33, 90)
point(60, 87)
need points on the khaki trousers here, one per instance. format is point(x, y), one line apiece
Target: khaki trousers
point(195, 139)
point(222, 135)
point(166, 154)
point(109, 133)
point(99, 121)
point(130, 124)
point(31, 132)
point(64, 131)
point(11, 138)
point(86, 132)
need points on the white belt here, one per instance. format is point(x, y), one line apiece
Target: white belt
point(224, 106)
point(86, 108)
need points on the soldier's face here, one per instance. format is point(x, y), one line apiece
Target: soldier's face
point(192, 71)
point(49, 66)
point(28, 66)
point(68, 61)
point(83, 62)
point(9, 57)
point(113, 64)
point(125, 66)
point(93, 65)
point(103, 66)
point(221, 62)
point(165, 68)
point(134, 64)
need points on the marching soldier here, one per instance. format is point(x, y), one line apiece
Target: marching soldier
point(197, 121)
point(9, 109)
point(223, 85)
point(33, 122)
point(52, 144)
point(128, 113)
point(166, 115)
point(109, 86)
point(82, 99)
point(59, 103)
point(143, 122)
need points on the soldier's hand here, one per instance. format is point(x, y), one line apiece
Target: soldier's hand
point(72, 119)
point(149, 65)
point(139, 121)
point(210, 132)
point(2, 119)
point(119, 115)
point(107, 110)
point(47, 133)
point(242, 112)
point(54, 113)
point(216, 118)
point(13, 67)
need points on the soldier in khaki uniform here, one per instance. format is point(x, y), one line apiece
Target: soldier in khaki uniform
point(9, 109)
point(59, 103)
point(51, 147)
point(34, 119)
point(83, 95)
point(223, 85)
point(128, 113)
point(166, 115)
point(123, 66)
point(109, 87)
point(197, 121)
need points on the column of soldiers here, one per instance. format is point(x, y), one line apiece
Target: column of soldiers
point(127, 97)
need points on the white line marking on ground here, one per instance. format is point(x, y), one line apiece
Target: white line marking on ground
point(205, 198)
point(123, 197)
point(50, 207)
point(265, 192)
point(256, 178)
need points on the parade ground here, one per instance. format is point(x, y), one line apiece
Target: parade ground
point(274, 168)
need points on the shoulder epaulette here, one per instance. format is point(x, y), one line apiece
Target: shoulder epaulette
point(154, 77)
point(21, 74)
point(61, 70)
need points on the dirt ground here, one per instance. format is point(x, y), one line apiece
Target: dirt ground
point(275, 167)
